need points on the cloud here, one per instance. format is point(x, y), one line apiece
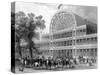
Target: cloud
point(87, 12)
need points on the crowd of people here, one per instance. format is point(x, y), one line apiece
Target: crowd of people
point(53, 64)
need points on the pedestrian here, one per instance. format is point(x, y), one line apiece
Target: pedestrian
point(22, 64)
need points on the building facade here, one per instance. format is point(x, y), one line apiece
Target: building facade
point(70, 36)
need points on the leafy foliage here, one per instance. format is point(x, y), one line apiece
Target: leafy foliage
point(25, 28)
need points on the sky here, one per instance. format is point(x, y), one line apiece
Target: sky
point(48, 10)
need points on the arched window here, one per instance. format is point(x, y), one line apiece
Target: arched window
point(61, 21)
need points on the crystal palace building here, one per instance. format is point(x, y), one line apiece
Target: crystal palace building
point(70, 36)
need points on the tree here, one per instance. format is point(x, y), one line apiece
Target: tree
point(25, 30)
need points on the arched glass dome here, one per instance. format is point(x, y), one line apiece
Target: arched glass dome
point(62, 20)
